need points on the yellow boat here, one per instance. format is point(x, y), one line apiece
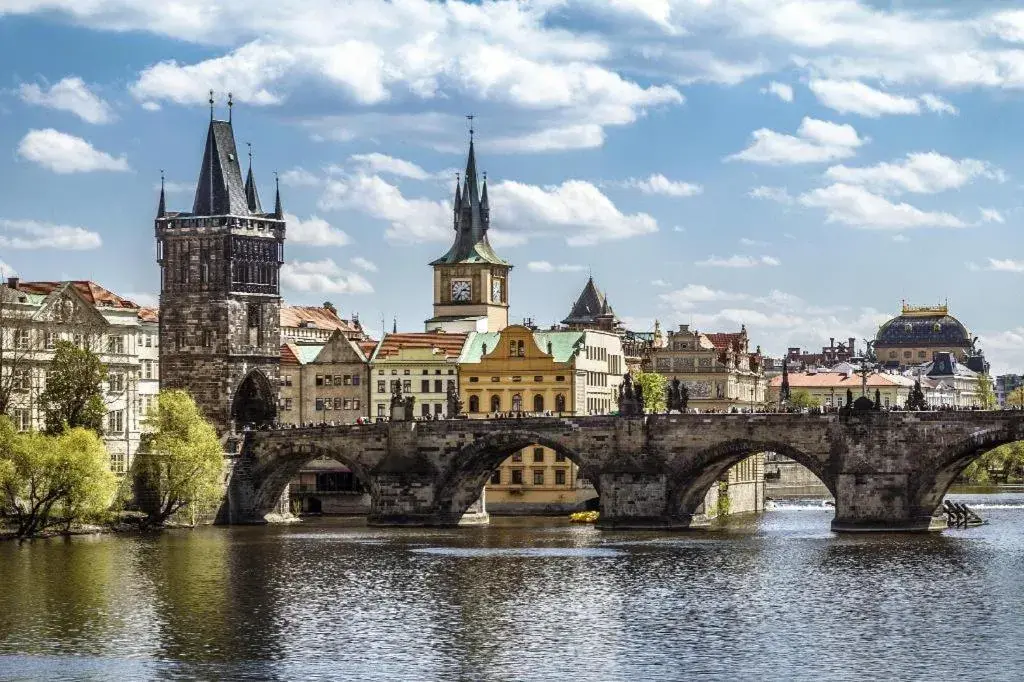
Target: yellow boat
point(584, 517)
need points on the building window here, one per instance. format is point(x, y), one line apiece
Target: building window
point(517, 477)
point(538, 379)
point(355, 380)
point(21, 339)
point(426, 371)
point(451, 384)
point(538, 403)
point(495, 403)
point(395, 383)
point(22, 419)
point(538, 454)
point(115, 344)
point(405, 372)
point(407, 386)
point(560, 378)
point(451, 371)
point(286, 379)
point(287, 403)
point(380, 409)
point(559, 476)
point(425, 386)
point(115, 382)
point(22, 379)
point(907, 354)
point(425, 409)
point(49, 340)
point(438, 386)
point(355, 403)
point(343, 404)
point(328, 404)
point(319, 379)
point(560, 402)
point(495, 380)
point(517, 456)
point(438, 409)
point(538, 477)
point(345, 380)
point(381, 386)
point(496, 477)
point(115, 421)
point(517, 403)
point(474, 403)
point(149, 340)
point(319, 405)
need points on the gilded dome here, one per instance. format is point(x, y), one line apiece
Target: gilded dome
point(920, 327)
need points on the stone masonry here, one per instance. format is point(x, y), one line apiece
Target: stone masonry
point(887, 470)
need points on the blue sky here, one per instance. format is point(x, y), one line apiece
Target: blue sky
point(797, 166)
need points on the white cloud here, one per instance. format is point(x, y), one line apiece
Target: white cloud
point(553, 139)
point(63, 153)
point(314, 231)
point(780, 90)
point(375, 163)
point(777, 194)
point(659, 283)
point(544, 266)
point(175, 187)
point(323, 276)
point(363, 264)
point(659, 184)
point(32, 234)
point(816, 141)
point(900, 238)
point(678, 228)
point(69, 94)
point(576, 209)
point(299, 177)
point(738, 261)
point(693, 294)
point(854, 97)
point(411, 220)
point(1005, 265)
point(991, 215)
point(936, 104)
point(855, 206)
point(7, 271)
point(921, 172)
point(744, 241)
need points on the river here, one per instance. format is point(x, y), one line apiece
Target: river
point(770, 597)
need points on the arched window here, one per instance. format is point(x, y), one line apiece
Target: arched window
point(560, 402)
point(474, 403)
point(495, 403)
point(538, 403)
point(521, 349)
point(517, 403)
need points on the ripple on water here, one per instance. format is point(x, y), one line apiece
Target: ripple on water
point(539, 552)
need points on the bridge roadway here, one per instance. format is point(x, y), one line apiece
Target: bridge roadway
point(888, 471)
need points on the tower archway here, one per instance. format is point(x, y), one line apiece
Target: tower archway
point(254, 403)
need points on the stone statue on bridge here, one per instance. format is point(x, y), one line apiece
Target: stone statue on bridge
point(631, 397)
point(678, 396)
point(396, 394)
point(454, 404)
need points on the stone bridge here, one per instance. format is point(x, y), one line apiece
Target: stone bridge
point(887, 470)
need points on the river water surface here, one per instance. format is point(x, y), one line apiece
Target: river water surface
point(771, 597)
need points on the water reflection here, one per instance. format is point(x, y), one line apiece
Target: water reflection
point(778, 596)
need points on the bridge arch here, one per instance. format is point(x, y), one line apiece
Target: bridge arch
point(278, 465)
point(470, 468)
point(950, 462)
point(691, 476)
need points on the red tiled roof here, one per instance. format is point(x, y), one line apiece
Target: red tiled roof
point(322, 318)
point(288, 357)
point(725, 341)
point(149, 314)
point(367, 346)
point(88, 290)
point(449, 344)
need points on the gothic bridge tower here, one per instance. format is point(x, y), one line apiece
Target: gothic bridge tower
point(219, 290)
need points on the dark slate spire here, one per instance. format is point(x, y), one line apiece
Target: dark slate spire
point(252, 197)
point(590, 305)
point(472, 220)
point(220, 190)
point(161, 209)
point(278, 212)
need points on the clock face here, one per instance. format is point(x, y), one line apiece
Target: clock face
point(461, 290)
point(496, 290)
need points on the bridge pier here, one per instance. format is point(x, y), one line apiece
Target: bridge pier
point(879, 503)
point(638, 500)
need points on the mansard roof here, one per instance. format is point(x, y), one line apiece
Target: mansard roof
point(590, 305)
point(220, 190)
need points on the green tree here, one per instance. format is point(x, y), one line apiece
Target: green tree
point(48, 481)
point(801, 398)
point(1016, 398)
point(182, 460)
point(986, 394)
point(654, 388)
point(73, 395)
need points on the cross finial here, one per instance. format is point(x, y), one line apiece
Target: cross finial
point(470, 117)
point(161, 178)
point(211, 104)
point(249, 145)
point(231, 103)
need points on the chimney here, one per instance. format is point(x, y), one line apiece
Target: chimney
point(851, 349)
point(13, 282)
point(831, 342)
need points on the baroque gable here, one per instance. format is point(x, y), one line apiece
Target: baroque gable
point(64, 306)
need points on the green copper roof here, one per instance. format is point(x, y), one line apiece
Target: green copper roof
point(308, 354)
point(563, 344)
point(463, 252)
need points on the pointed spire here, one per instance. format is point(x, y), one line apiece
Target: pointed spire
point(394, 325)
point(211, 104)
point(161, 209)
point(278, 212)
point(252, 197)
point(221, 190)
point(483, 194)
point(231, 104)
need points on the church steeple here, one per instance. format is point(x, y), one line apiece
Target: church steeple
point(278, 212)
point(161, 209)
point(220, 191)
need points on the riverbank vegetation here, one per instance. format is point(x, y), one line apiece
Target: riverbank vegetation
point(1004, 464)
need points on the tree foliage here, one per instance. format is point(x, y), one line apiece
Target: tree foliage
point(182, 459)
point(801, 398)
point(1008, 459)
point(654, 388)
point(986, 394)
point(73, 395)
point(1016, 398)
point(48, 481)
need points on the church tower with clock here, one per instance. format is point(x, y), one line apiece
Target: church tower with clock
point(470, 281)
